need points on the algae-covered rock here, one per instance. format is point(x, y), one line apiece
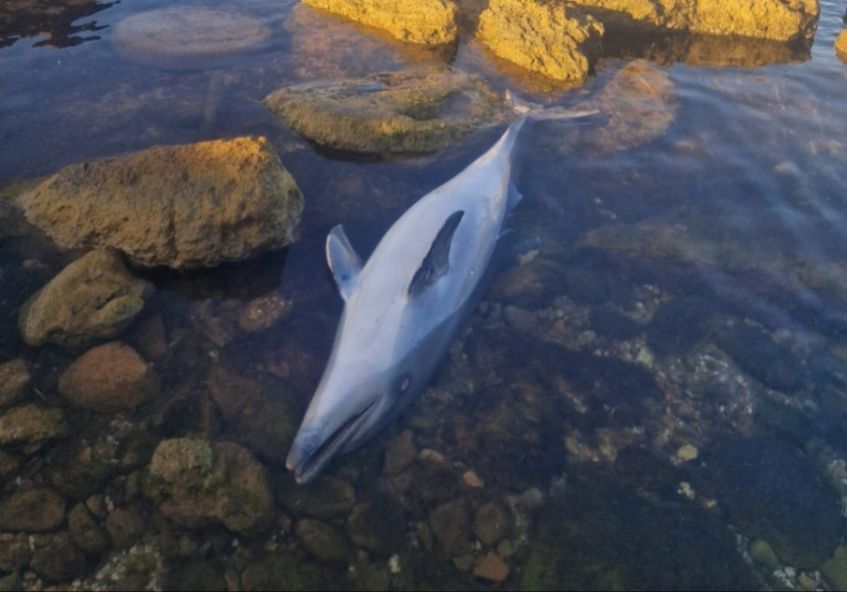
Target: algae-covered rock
point(94, 297)
point(33, 510)
point(451, 526)
point(429, 22)
point(378, 524)
point(82, 468)
point(58, 560)
point(835, 569)
point(196, 483)
point(85, 532)
point(549, 38)
point(492, 523)
point(109, 378)
point(185, 206)
point(413, 111)
point(14, 378)
point(326, 497)
point(31, 425)
point(278, 570)
point(780, 20)
point(181, 36)
point(322, 540)
point(198, 574)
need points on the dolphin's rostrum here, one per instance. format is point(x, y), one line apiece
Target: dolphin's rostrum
point(404, 307)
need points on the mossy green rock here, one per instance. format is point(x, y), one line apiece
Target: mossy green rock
point(835, 569)
point(95, 297)
point(197, 483)
point(413, 111)
point(279, 570)
point(763, 554)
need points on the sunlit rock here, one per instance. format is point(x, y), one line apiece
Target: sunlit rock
point(186, 35)
point(414, 111)
point(429, 22)
point(544, 37)
point(780, 20)
point(197, 483)
point(94, 297)
point(185, 206)
point(841, 45)
point(109, 378)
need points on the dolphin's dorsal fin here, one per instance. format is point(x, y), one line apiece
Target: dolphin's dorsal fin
point(437, 260)
point(343, 261)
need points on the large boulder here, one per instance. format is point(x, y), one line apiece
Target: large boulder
point(94, 297)
point(109, 378)
point(779, 20)
point(180, 36)
point(183, 206)
point(548, 38)
point(429, 22)
point(197, 483)
point(413, 111)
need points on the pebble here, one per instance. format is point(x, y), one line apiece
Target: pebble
point(473, 480)
point(400, 452)
point(491, 568)
point(687, 452)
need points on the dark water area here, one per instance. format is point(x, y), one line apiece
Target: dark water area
point(652, 393)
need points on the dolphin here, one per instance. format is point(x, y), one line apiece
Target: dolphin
point(404, 307)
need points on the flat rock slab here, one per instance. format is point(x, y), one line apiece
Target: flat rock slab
point(185, 35)
point(414, 111)
point(427, 22)
point(195, 205)
point(543, 37)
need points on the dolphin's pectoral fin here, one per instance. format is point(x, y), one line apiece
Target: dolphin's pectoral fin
point(343, 261)
point(437, 260)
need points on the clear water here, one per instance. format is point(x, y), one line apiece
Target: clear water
point(687, 286)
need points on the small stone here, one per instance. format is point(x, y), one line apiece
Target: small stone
point(109, 378)
point(431, 456)
point(451, 526)
point(763, 554)
point(400, 452)
point(378, 524)
point(806, 582)
point(473, 480)
point(31, 425)
point(491, 568)
point(322, 540)
point(464, 562)
point(835, 569)
point(14, 378)
point(505, 549)
point(327, 497)
point(687, 452)
point(58, 560)
point(96, 504)
point(263, 313)
point(152, 338)
point(519, 319)
point(34, 510)
point(493, 523)
point(124, 527)
point(15, 552)
point(85, 533)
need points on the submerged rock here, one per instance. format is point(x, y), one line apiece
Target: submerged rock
point(109, 378)
point(185, 206)
point(58, 560)
point(491, 568)
point(322, 540)
point(14, 378)
point(278, 570)
point(780, 20)
point(85, 532)
point(414, 111)
point(34, 510)
point(544, 37)
point(186, 35)
point(196, 483)
point(95, 297)
point(327, 497)
point(31, 425)
point(492, 523)
point(451, 526)
point(841, 45)
point(263, 313)
point(429, 22)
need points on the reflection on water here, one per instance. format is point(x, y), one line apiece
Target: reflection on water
point(652, 394)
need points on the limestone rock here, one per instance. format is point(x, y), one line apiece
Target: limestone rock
point(549, 38)
point(841, 45)
point(429, 22)
point(34, 510)
point(186, 35)
point(14, 378)
point(94, 297)
point(418, 110)
point(185, 206)
point(31, 425)
point(779, 20)
point(197, 483)
point(109, 378)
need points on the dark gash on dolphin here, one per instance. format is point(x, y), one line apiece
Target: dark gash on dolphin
point(404, 307)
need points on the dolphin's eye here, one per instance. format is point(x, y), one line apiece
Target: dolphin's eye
point(404, 381)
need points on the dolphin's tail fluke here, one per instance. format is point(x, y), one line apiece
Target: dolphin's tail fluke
point(539, 112)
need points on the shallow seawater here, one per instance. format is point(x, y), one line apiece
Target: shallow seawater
point(652, 393)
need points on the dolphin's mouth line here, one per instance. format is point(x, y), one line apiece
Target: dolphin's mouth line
point(331, 444)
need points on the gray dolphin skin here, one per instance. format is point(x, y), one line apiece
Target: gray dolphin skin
point(405, 306)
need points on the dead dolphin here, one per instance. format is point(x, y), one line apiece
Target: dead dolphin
point(404, 307)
